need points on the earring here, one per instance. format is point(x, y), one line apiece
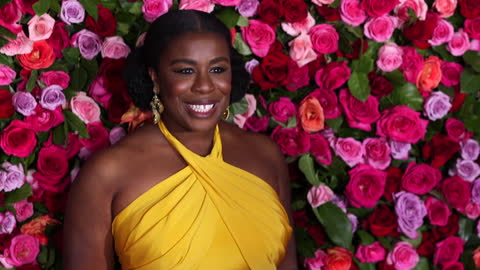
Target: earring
point(226, 114)
point(157, 106)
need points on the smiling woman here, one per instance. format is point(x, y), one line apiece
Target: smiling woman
point(191, 191)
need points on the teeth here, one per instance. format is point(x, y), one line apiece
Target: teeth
point(201, 108)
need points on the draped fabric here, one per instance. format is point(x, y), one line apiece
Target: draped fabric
point(209, 215)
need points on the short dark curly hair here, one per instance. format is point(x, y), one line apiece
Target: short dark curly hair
point(162, 31)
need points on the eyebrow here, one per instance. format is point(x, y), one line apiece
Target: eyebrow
point(191, 62)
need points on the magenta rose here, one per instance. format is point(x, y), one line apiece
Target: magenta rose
point(18, 139)
point(437, 211)
point(456, 130)
point(59, 39)
point(99, 93)
point(24, 249)
point(456, 191)
point(60, 78)
point(451, 72)
point(380, 29)
point(350, 150)
point(402, 124)
point(329, 102)
point(403, 256)
point(448, 250)
point(360, 114)
point(332, 75)
point(99, 137)
point(257, 124)
point(297, 77)
point(366, 186)
point(11, 15)
point(376, 152)
point(43, 119)
point(377, 8)
point(282, 109)
point(412, 63)
point(420, 178)
point(374, 252)
point(7, 74)
point(292, 141)
point(259, 36)
point(324, 38)
point(472, 27)
point(319, 148)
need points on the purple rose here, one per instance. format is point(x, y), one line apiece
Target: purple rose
point(410, 212)
point(88, 43)
point(7, 222)
point(72, 12)
point(470, 149)
point(247, 8)
point(116, 134)
point(476, 191)
point(400, 150)
point(466, 169)
point(52, 97)
point(15, 177)
point(354, 220)
point(24, 103)
point(437, 105)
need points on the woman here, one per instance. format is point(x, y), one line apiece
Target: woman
point(192, 192)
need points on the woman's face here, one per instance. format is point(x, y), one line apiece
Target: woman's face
point(194, 80)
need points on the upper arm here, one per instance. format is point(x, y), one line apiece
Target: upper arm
point(88, 242)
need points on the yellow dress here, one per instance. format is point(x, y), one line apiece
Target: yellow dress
point(209, 215)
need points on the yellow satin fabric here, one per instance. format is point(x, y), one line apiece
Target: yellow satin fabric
point(209, 215)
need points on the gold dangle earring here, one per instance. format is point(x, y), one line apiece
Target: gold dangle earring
point(157, 106)
point(226, 114)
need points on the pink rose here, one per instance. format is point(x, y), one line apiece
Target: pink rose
point(350, 150)
point(352, 13)
point(403, 256)
point(451, 72)
point(7, 74)
point(292, 141)
point(85, 108)
point(380, 29)
point(329, 102)
point(40, 28)
point(402, 124)
point(18, 139)
point(319, 195)
point(153, 9)
point(459, 43)
point(332, 75)
point(200, 5)
point(55, 77)
point(448, 250)
point(389, 57)
point(297, 77)
point(437, 211)
point(315, 263)
point(371, 253)
point(11, 15)
point(319, 148)
point(419, 7)
point(301, 50)
point(115, 48)
point(99, 93)
point(296, 28)
point(24, 210)
point(240, 119)
point(360, 114)
point(44, 119)
point(442, 33)
point(23, 250)
point(412, 63)
point(259, 36)
point(445, 8)
point(227, 3)
point(324, 38)
point(456, 130)
point(377, 153)
point(472, 210)
point(366, 186)
point(21, 45)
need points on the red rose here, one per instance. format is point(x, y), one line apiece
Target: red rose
point(450, 229)
point(472, 27)
point(315, 65)
point(328, 100)
point(469, 8)
point(29, 267)
point(328, 13)
point(448, 250)
point(42, 56)
point(422, 30)
point(257, 124)
point(427, 245)
point(292, 141)
point(270, 12)
point(105, 25)
point(439, 150)
point(356, 47)
point(59, 39)
point(18, 139)
point(52, 166)
point(294, 10)
point(379, 85)
point(44, 120)
point(458, 99)
point(453, 266)
point(378, 8)
point(300, 218)
point(333, 75)
point(112, 72)
point(456, 130)
point(117, 106)
point(27, 7)
point(394, 176)
point(360, 114)
point(6, 106)
point(273, 71)
point(420, 178)
point(317, 233)
point(98, 137)
point(456, 191)
point(382, 222)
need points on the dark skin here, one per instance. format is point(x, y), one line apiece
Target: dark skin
point(195, 68)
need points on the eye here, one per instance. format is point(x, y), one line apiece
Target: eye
point(184, 71)
point(218, 70)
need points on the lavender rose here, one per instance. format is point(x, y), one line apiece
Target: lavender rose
point(72, 12)
point(247, 8)
point(52, 97)
point(400, 150)
point(470, 149)
point(410, 212)
point(15, 178)
point(466, 169)
point(24, 103)
point(116, 134)
point(7, 222)
point(476, 191)
point(88, 43)
point(437, 105)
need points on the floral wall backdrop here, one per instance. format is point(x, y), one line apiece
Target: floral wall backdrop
point(375, 104)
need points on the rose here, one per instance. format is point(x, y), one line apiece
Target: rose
point(472, 210)
point(24, 103)
point(453, 266)
point(470, 149)
point(472, 27)
point(98, 92)
point(430, 74)
point(23, 210)
point(380, 29)
point(319, 149)
point(203, 5)
point(21, 45)
point(401, 123)
point(448, 250)
point(382, 221)
point(273, 70)
point(351, 12)
point(412, 63)
point(257, 124)
point(459, 43)
point(427, 245)
point(422, 30)
point(15, 178)
point(311, 114)
point(456, 191)
point(319, 195)
point(52, 97)
point(476, 257)
point(366, 186)
point(294, 10)
point(437, 105)
point(247, 8)
point(419, 7)
point(227, 2)
point(282, 109)
point(394, 176)
point(324, 38)
point(292, 141)
point(297, 77)
point(43, 119)
point(420, 178)
point(450, 229)
point(26, 6)
point(269, 11)
point(469, 8)
point(87, 42)
point(294, 29)
point(7, 223)
point(301, 50)
point(42, 56)
point(379, 85)
point(24, 249)
point(476, 191)
point(115, 48)
point(378, 8)
point(338, 259)
point(437, 211)
point(59, 39)
point(451, 72)
point(467, 169)
point(389, 57)
point(317, 262)
point(52, 165)
point(40, 27)
point(18, 139)
point(6, 106)
point(442, 33)
point(98, 137)
point(376, 152)
point(116, 134)
point(153, 9)
point(403, 256)
point(350, 150)
point(11, 15)
point(259, 36)
point(360, 114)
point(328, 13)
point(328, 101)
point(240, 119)
point(59, 78)
point(250, 65)
point(374, 252)
point(456, 130)
point(105, 25)
point(72, 12)
point(445, 8)
point(7, 75)
point(400, 150)
point(332, 75)
point(410, 210)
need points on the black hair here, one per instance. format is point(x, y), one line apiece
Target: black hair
point(162, 31)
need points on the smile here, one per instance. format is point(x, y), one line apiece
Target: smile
point(201, 108)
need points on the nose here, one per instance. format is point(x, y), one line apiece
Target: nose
point(203, 83)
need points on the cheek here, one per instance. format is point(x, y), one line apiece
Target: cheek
point(224, 83)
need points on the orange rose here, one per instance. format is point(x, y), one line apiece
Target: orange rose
point(311, 114)
point(42, 56)
point(37, 226)
point(338, 259)
point(476, 257)
point(430, 75)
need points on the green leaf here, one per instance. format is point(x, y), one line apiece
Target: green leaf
point(239, 107)
point(469, 81)
point(75, 123)
point(445, 55)
point(366, 266)
point(6, 60)
point(5, 32)
point(408, 95)
point(466, 228)
point(242, 21)
point(335, 4)
point(4, 2)
point(359, 85)
point(298, 205)
point(59, 135)
point(364, 64)
point(71, 54)
point(91, 7)
point(356, 31)
point(240, 45)
point(365, 237)
point(228, 16)
point(415, 242)
point(78, 78)
point(306, 165)
point(32, 80)
point(136, 8)
point(292, 122)
point(41, 7)
point(306, 246)
point(55, 6)
point(336, 224)
point(18, 194)
point(46, 257)
point(473, 59)
point(422, 264)
point(3, 41)
point(335, 123)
